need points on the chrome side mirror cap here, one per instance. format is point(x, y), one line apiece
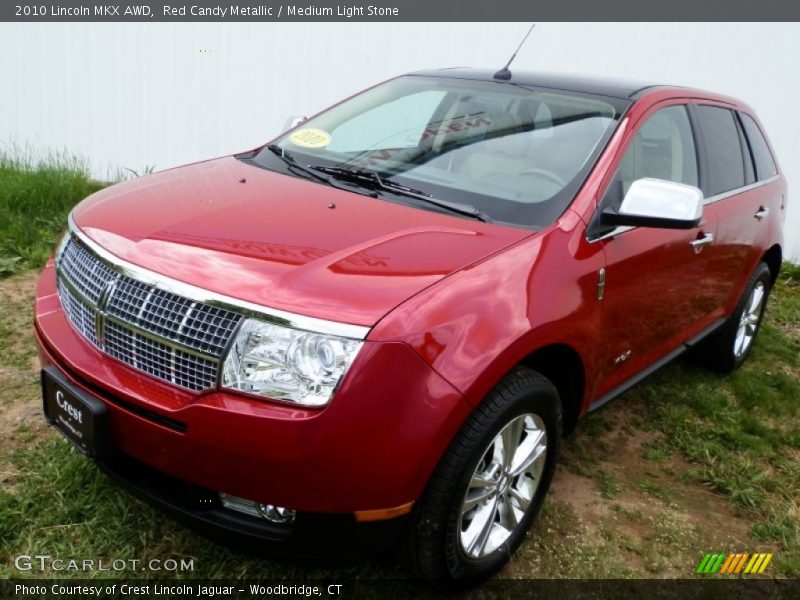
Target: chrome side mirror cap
point(658, 203)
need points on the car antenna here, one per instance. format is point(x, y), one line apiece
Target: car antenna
point(504, 74)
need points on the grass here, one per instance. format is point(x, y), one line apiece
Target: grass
point(790, 273)
point(740, 433)
point(684, 463)
point(609, 486)
point(36, 193)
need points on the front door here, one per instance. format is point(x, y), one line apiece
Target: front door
point(658, 286)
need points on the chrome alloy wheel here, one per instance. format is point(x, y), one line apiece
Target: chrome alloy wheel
point(748, 323)
point(503, 486)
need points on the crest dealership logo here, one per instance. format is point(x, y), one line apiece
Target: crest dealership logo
point(733, 564)
point(68, 407)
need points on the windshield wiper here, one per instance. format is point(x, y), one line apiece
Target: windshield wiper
point(293, 164)
point(382, 183)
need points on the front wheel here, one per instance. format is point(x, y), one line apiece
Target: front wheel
point(490, 485)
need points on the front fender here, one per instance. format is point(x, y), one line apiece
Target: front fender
point(476, 325)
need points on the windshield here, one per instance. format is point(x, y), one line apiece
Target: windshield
point(517, 153)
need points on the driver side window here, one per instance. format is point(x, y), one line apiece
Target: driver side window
point(662, 149)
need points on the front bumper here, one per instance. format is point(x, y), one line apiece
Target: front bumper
point(311, 534)
point(371, 450)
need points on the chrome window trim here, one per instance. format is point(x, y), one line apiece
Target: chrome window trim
point(740, 190)
point(613, 233)
point(706, 201)
point(242, 307)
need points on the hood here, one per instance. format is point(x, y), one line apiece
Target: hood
point(283, 242)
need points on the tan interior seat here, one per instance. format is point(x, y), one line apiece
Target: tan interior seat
point(503, 155)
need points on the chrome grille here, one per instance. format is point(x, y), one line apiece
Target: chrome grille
point(84, 272)
point(155, 331)
point(159, 360)
point(176, 318)
point(81, 316)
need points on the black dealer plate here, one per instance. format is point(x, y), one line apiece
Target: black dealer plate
point(78, 416)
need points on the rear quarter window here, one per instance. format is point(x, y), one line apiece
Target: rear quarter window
point(762, 157)
point(725, 169)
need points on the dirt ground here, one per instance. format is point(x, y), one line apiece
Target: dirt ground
point(20, 403)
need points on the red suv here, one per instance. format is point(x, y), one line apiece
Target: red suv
point(387, 318)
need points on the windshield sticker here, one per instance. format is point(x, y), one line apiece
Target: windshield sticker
point(311, 138)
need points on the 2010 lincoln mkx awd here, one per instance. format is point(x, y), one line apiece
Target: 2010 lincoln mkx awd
point(386, 318)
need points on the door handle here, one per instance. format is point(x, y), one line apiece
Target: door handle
point(698, 244)
point(761, 213)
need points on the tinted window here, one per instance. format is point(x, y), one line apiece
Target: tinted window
point(765, 164)
point(662, 149)
point(725, 167)
point(749, 167)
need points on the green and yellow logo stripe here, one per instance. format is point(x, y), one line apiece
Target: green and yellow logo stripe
point(733, 564)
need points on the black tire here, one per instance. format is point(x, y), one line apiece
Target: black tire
point(718, 352)
point(433, 549)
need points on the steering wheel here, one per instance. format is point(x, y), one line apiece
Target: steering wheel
point(558, 180)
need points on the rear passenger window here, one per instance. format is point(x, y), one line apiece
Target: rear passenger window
point(765, 164)
point(724, 159)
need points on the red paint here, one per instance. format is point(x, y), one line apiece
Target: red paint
point(198, 224)
point(454, 304)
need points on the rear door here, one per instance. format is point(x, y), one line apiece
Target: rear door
point(742, 192)
point(658, 291)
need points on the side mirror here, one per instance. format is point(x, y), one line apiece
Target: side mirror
point(657, 203)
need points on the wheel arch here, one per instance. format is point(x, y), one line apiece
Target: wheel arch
point(564, 367)
point(774, 259)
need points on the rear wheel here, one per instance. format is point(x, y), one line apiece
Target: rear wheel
point(491, 483)
point(728, 348)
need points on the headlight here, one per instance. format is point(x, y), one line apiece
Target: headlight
point(287, 364)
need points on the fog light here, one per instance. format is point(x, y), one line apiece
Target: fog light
point(277, 514)
point(270, 512)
